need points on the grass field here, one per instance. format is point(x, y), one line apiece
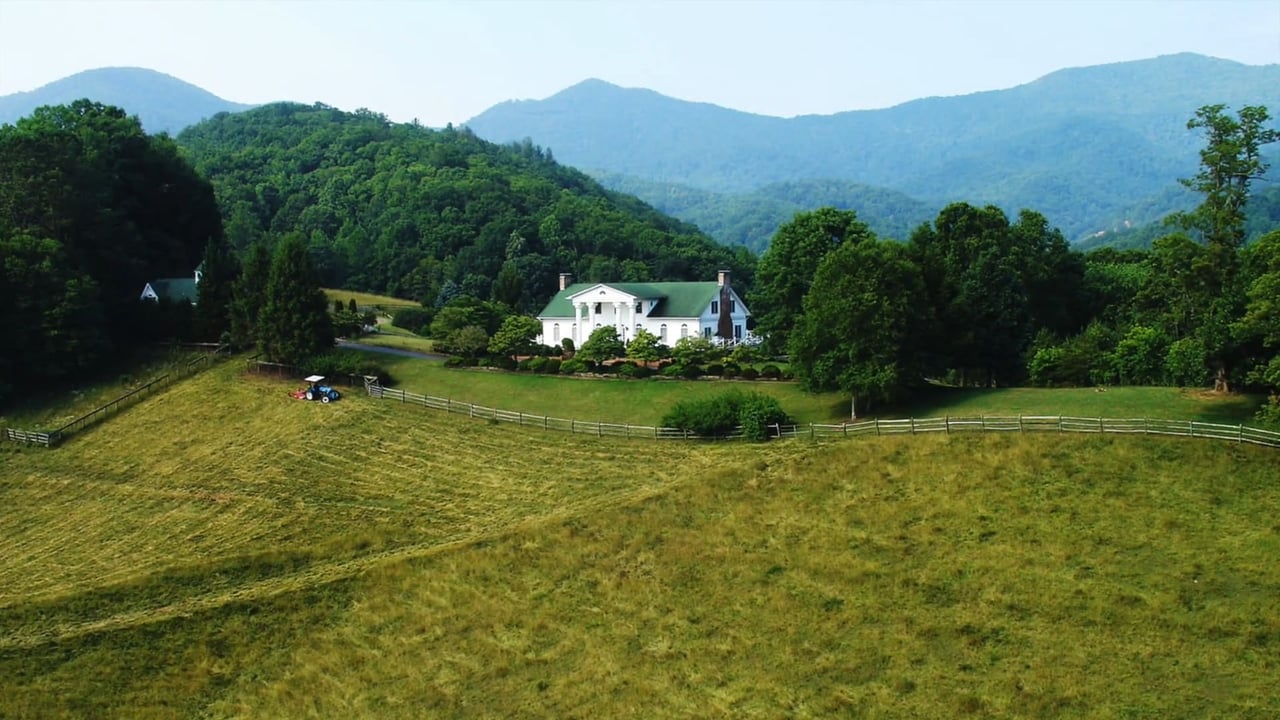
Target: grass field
point(645, 401)
point(221, 550)
point(364, 299)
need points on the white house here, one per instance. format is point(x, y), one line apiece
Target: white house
point(669, 310)
point(173, 289)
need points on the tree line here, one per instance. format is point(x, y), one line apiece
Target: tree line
point(974, 299)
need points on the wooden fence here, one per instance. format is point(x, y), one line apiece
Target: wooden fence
point(53, 437)
point(909, 426)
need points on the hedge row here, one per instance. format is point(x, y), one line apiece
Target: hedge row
point(572, 366)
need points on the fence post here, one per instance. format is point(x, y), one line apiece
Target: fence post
point(913, 426)
point(1059, 423)
point(471, 409)
point(811, 434)
point(845, 427)
point(1191, 426)
point(1020, 429)
point(947, 423)
point(573, 426)
point(544, 422)
point(1240, 434)
point(877, 427)
point(598, 429)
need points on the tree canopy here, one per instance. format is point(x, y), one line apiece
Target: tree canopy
point(408, 211)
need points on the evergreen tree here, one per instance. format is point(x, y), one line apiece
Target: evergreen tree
point(216, 291)
point(250, 292)
point(294, 324)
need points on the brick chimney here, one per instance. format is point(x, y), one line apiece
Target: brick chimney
point(564, 280)
point(722, 278)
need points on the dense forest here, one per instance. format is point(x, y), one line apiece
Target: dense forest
point(432, 214)
point(91, 208)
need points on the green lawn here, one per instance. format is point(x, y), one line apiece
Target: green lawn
point(364, 299)
point(644, 402)
point(1115, 402)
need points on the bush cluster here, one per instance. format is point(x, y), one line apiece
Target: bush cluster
point(721, 414)
point(342, 364)
point(415, 320)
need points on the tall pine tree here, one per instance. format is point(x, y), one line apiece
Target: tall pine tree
point(250, 295)
point(215, 293)
point(294, 323)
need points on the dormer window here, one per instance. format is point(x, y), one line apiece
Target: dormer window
point(733, 306)
point(715, 307)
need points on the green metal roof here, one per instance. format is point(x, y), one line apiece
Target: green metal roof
point(676, 299)
point(175, 289)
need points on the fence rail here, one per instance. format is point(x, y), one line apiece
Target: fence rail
point(53, 437)
point(877, 427)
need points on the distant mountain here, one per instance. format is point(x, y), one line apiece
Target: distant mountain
point(1081, 145)
point(163, 103)
point(750, 219)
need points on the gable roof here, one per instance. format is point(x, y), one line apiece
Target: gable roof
point(675, 299)
point(175, 289)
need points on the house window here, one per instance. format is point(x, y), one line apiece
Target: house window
point(639, 307)
point(684, 331)
point(733, 305)
point(706, 332)
point(662, 332)
point(715, 307)
point(737, 332)
point(599, 309)
point(555, 333)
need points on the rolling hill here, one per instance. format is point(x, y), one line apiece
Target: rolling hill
point(162, 102)
point(371, 559)
point(1083, 145)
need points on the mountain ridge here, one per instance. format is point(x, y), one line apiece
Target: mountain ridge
point(162, 102)
point(1081, 145)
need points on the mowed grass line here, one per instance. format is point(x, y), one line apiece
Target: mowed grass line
point(926, 577)
point(222, 470)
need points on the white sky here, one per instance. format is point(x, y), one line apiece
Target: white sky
point(448, 61)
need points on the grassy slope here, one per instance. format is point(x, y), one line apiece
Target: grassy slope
point(223, 549)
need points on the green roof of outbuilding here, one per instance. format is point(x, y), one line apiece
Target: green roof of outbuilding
point(175, 289)
point(676, 299)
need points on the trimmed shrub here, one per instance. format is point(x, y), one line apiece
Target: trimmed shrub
point(770, 372)
point(572, 366)
point(672, 371)
point(523, 365)
point(691, 372)
point(715, 369)
point(632, 370)
point(551, 367)
point(502, 362)
point(534, 364)
point(719, 415)
point(730, 371)
point(750, 373)
point(455, 361)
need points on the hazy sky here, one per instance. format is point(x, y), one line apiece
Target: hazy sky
point(448, 61)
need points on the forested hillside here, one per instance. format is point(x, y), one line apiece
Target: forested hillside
point(751, 219)
point(430, 214)
point(91, 208)
point(162, 102)
point(1082, 145)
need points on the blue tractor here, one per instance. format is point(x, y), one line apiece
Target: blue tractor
point(317, 390)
